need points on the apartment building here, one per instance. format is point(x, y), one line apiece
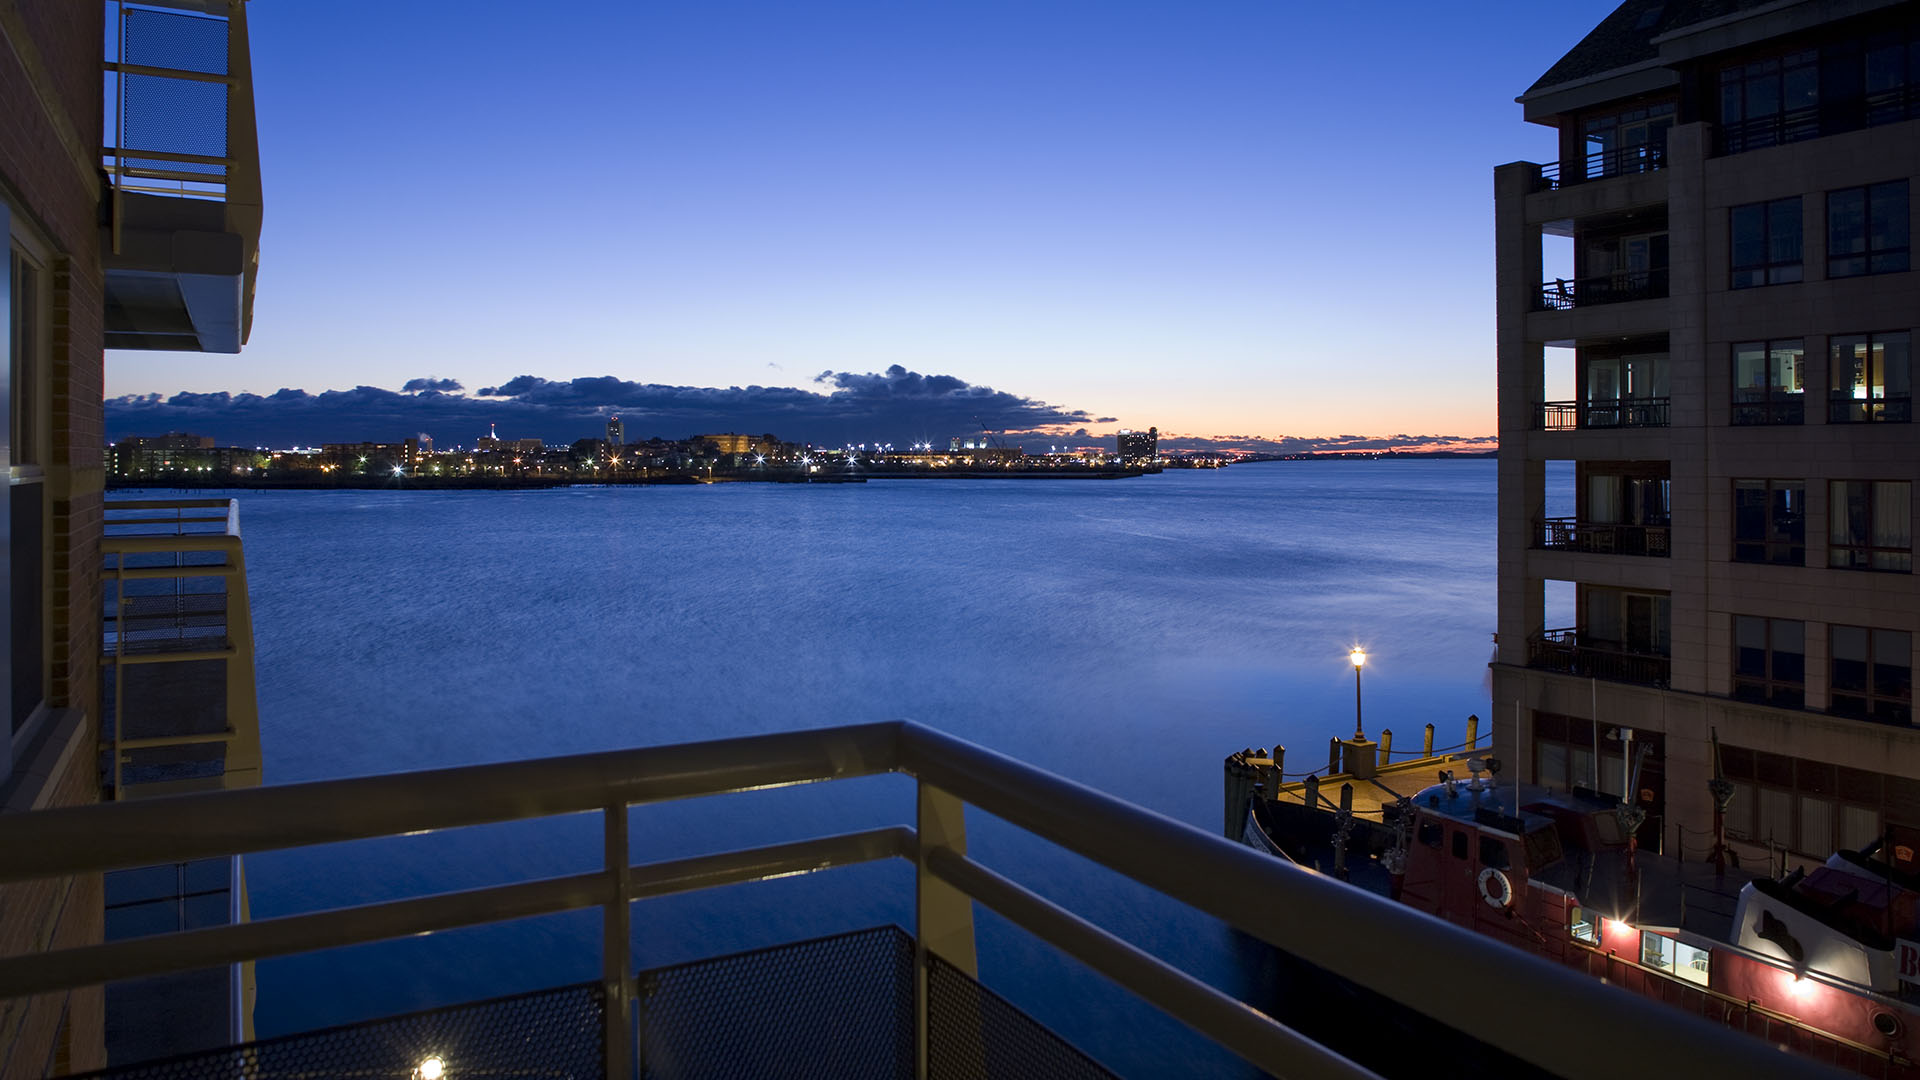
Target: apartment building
point(130, 199)
point(1707, 446)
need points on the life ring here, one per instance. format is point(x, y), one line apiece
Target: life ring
point(1496, 888)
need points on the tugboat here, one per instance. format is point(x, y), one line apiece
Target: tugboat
point(1811, 961)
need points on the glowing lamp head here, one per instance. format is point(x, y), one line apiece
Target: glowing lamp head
point(431, 1069)
point(1359, 657)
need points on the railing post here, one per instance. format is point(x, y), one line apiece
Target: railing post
point(943, 915)
point(616, 941)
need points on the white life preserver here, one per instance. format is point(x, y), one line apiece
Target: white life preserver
point(1496, 888)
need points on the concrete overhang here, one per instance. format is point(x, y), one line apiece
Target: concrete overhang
point(1547, 104)
point(180, 279)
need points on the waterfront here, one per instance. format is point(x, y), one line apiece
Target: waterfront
point(1127, 636)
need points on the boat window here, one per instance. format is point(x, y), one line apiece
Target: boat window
point(1543, 847)
point(1608, 826)
point(1459, 844)
point(1675, 957)
point(1493, 852)
point(1431, 833)
point(1582, 925)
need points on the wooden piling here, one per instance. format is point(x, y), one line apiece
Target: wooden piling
point(1386, 747)
point(1426, 749)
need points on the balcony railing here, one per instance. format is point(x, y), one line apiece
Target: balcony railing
point(1603, 413)
point(1563, 651)
point(1604, 164)
point(1618, 288)
point(178, 705)
point(1892, 409)
point(1762, 409)
point(1889, 106)
point(1604, 538)
point(1437, 969)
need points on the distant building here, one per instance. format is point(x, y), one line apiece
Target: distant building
point(370, 456)
point(426, 442)
point(616, 433)
point(728, 443)
point(172, 440)
point(1138, 447)
point(177, 454)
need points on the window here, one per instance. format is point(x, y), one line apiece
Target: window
point(1430, 833)
point(1770, 521)
point(1870, 378)
point(1766, 243)
point(1493, 852)
point(1770, 660)
point(1459, 844)
point(1872, 674)
point(1867, 230)
point(1768, 382)
point(1770, 101)
point(1582, 926)
point(1676, 958)
point(1870, 525)
point(1633, 141)
point(26, 316)
point(1869, 81)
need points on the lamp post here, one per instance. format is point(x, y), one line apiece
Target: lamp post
point(1359, 658)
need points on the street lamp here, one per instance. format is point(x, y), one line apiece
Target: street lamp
point(1359, 658)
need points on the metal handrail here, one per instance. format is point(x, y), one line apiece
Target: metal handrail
point(1605, 164)
point(1620, 287)
point(1441, 970)
point(1603, 413)
point(1603, 537)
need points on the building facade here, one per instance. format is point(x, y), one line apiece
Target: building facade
point(136, 232)
point(1138, 447)
point(1707, 448)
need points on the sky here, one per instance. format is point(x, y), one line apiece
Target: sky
point(1223, 218)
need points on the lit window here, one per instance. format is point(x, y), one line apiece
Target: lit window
point(1581, 924)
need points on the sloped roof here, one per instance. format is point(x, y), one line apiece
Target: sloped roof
point(1626, 36)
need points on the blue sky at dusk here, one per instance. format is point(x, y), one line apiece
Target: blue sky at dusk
point(1218, 217)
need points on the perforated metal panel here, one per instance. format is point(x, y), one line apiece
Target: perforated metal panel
point(546, 1035)
point(832, 1008)
point(975, 1034)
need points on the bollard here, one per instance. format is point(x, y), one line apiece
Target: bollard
point(1386, 747)
point(1312, 793)
point(1427, 749)
point(1275, 774)
point(1333, 757)
point(1473, 732)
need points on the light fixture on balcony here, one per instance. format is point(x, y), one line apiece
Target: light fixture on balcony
point(431, 1068)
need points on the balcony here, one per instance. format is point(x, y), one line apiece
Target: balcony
point(1616, 288)
point(1603, 165)
point(182, 160)
point(177, 703)
point(877, 1002)
point(1888, 409)
point(1562, 651)
point(1604, 538)
point(1887, 106)
point(1760, 409)
point(1602, 413)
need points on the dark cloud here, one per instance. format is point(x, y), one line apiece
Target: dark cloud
point(896, 405)
point(444, 386)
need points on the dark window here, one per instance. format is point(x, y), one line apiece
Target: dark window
point(1769, 521)
point(1493, 852)
point(1870, 525)
point(1867, 230)
point(1766, 243)
point(1872, 673)
point(1633, 141)
point(1870, 377)
point(1769, 382)
point(1431, 833)
point(1771, 101)
point(1770, 660)
point(1459, 844)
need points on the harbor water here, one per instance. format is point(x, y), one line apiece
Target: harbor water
point(1126, 634)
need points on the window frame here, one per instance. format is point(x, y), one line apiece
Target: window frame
point(1768, 404)
point(1870, 701)
point(1843, 407)
point(26, 443)
point(1856, 552)
point(1770, 269)
point(1890, 258)
point(1785, 549)
point(1770, 686)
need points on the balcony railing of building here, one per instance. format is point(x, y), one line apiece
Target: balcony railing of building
point(182, 162)
point(1890, 409)
point(1604, 538)
point(1603, 413)
point(1437, 969)
point(1760, 409)
point(1562, 294)
point(1886, 106)
point(178, 705)
point(1563, 651)
point(1602, 165)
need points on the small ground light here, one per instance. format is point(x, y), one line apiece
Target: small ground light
point(431, 1069)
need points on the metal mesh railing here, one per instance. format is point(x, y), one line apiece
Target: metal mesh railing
point(975, 1034)
point(548, 1034)
point(835, 1007)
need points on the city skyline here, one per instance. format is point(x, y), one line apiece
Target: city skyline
point(1098, 209)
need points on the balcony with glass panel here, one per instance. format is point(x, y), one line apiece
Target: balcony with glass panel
point(1627, 391)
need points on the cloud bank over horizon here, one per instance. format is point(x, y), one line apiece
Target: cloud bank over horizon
point(897, 406)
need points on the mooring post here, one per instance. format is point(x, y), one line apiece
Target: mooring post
point(1473, 732)
point(1386, 746)
point(1333, 757)
point(1427, 749)
point(1312, 793)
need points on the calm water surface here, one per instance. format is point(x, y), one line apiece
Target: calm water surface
point(1127, 634)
